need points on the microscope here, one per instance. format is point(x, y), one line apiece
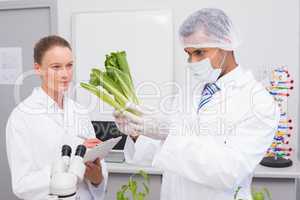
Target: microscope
point(67, 173)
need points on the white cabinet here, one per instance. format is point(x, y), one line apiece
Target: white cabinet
point(282, 183)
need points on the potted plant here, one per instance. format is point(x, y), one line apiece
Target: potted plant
point(135, 189)
point(262, 194)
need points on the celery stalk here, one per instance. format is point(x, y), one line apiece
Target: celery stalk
point(123, 64)
point(124, 82)
point(124, 67)
point(110, 86)
point(102, 94)
point(96, 73)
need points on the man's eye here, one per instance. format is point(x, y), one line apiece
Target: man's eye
point(55, 67)
point(198, 52)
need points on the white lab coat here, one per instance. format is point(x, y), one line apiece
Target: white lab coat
point(209, 154)
point(36, 130)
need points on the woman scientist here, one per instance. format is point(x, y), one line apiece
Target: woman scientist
point(210, 149)
point(39, 126)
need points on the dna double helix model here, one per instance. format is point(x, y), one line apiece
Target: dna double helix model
point(279, 153)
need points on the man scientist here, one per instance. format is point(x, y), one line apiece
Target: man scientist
point(213, 147)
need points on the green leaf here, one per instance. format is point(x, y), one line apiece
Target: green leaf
point(146, 188)
point(111, 81)
point(124, 67)
point(144, 175)
point(105, 79)
point(124, 188)
point(133, 186)
point(123, 64)
point(236, 192)
point(258, 196)
point(141, 196)
point(94, 80)
point(267, 192)
point(121, 196)
point(111, 60)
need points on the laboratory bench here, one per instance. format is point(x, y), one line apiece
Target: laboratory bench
point(283, 183)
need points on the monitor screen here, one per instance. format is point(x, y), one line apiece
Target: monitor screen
point(106, 130)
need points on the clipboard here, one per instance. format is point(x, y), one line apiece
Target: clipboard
point(101, 150)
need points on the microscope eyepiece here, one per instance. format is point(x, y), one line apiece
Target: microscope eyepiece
point(66, 150)
point(80, 151)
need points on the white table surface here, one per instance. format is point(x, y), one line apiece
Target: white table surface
point(261, 171)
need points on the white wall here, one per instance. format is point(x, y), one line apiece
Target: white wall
point(269, 29)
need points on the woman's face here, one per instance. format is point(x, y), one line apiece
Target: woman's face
point(56, 69)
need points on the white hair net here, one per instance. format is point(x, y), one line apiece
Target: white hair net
point(209, 27)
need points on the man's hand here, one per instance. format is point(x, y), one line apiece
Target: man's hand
point(147, 122)
point(123, 125)
point(93, 172)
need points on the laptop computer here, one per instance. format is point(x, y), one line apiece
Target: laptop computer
point(106, 130)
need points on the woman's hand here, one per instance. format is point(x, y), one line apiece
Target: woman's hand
point(91, 143)
point(93, 172)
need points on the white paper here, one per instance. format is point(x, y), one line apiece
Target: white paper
point(10, 65)
point(101, 150)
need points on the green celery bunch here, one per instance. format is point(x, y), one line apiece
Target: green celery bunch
point(113, 85)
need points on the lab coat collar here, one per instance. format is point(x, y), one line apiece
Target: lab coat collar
point(238, 76)
point(229, 85)
point(43, 100)
point(46, 104)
